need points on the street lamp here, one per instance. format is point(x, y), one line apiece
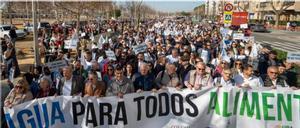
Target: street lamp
point(37, 60)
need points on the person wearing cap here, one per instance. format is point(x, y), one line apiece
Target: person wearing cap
point(198, 78)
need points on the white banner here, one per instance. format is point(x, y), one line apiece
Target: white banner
point(238, 36)
point(55, 65)
point(111, 55)
point(293, 57)
point(140, 48)
point(210, 107)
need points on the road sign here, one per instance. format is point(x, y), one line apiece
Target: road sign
point(227, 17)
point(228, 7)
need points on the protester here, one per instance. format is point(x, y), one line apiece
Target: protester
point(198, 78)
point(129, 72)
point(119, 85)
point(45, 88)
point(169, 77)
point(70, 85)
point(226, 80)
point(94, 87)
point(18, 95)
point(272, 79)
point(143, 81)
point(13, 35)
point(247, 79)
point(11, 62)
point(237, 68)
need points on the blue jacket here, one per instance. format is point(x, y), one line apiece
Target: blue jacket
point(145, 83)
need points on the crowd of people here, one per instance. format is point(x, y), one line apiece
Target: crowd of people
point(179, 54)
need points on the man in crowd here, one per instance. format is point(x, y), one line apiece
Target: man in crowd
point(119, 85)
point(272, 79)
point(144, 81)
point(198, 78)
point(169, 77)
point(226, 80)
point(247, 79)
point(70, 85)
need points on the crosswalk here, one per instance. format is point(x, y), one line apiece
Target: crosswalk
point(285, 46)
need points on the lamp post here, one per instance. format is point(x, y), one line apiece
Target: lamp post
point(37, 60)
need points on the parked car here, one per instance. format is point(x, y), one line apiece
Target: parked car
point(4, 32)
point(258, 28)
point(28, 29)
point(44, 25)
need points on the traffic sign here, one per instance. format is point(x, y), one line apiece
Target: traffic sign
point(227, 17)
point(228, 7)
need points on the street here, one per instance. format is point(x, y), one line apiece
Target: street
point(282, 40)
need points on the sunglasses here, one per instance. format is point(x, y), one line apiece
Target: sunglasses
point(201, 69)
point(238, 63)
point(18, 87)
point(274, 73)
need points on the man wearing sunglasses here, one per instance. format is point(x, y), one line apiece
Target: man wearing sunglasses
point(272, 79)
point(198, 78)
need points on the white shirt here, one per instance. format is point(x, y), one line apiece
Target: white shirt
point(171, 59)
point(224, 83)
point(253, 81)
point(66, 90)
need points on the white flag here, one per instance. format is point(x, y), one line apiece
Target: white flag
point(101, 41)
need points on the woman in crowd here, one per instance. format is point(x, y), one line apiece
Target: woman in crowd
point(19, 94)
point(237, 68)
point(109, 74)
point(129, 72)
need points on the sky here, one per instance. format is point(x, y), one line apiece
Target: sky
point(173, 5)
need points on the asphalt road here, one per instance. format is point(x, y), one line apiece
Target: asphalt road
point(282, 40)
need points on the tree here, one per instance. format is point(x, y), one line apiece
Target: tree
point(183, 13)
point(243, 5)
point(280, 7)
point(84, 8)
point(134, 9)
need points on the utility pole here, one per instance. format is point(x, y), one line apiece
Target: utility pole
point(37, 60)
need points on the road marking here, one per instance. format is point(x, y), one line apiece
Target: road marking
point(281, 46)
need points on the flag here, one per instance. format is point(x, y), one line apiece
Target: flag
point(224, 55)
point(92, 37)
point(82, 60)
point(101, 41)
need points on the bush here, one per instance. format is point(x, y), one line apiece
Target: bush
point(280, 54)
